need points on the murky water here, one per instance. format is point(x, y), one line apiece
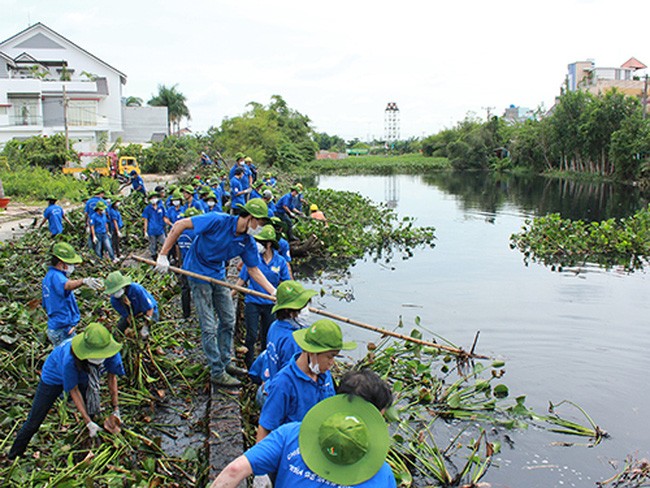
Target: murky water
point(583, 334)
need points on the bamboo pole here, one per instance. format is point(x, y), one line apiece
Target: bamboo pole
point(324, 313)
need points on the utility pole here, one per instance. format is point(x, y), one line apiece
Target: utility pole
point(645, 97)
point(489, 112)
point(65, 118)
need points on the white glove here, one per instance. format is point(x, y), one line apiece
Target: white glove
point(119, 234)
point(116, 412)
point(162, 264)
point(93, 428)
point(94, 240)
point(262, 482)
point(94, 283)
point(87, 230)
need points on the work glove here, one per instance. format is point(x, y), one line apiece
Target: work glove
point(93, 428)
point(262, 482)
point(119, 234)
point(87, 230)
point(94, 240)
point(93, 283)
point(162, 264)
point(116, 412)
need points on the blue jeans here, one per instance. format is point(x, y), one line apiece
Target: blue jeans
point(258, 319)
point(216, 314)
point(153, 244)
point(57, 336)
point(104, 244)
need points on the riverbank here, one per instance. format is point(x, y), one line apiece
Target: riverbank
point(404, 163)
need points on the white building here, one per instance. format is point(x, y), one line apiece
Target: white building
point(40, 68)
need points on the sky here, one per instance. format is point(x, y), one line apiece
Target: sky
point(340, 62)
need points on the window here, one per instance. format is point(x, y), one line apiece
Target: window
point(24, 111)
point(82, 112)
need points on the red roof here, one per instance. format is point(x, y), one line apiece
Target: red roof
point(633, 63)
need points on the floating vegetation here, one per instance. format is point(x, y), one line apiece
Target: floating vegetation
point(404, 163)
point(561, 243)
point(635, 474)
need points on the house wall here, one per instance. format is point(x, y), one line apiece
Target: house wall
point(141, 123)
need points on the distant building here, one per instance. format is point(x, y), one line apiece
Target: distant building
point(39, 69)
point(586, 76)
point(515, 115)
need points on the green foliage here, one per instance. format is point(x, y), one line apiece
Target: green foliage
point(329, 143)
point(46, 152)
point(275, 135)
point(37, 183)
point(171, 98)
point(169, 155)
point(558, 242)
point(407, 163)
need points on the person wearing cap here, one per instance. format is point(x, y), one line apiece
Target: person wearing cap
point(100, 231)
point(116, 224)
point(154, 217)
point(175, 206)
point(162, 193)
point(343, 441)
point(267, 196)
point(58, 296)
point(292, 313)
point(170, 193)
point(298, 200)
point(285, 210)
point(270, 180)
point(131, 300)
point(306, 380)
point(237, 191)
point(54, 216)
point(209, 199)
point(137, 184)
point(247, 178)
point(217, 190)
point(252, 168)
point(89, 209)
point(191, 200)
point(283, 245)
point(183, 245)
point(257, 188)
point(219, 238)
point(257, 311)
point(75, 366)
point(316, 214)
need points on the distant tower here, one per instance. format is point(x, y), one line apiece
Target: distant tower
point(391, 123)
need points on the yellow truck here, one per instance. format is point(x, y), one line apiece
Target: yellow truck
point(105, 164)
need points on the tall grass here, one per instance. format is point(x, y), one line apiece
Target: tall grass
point(405, 163)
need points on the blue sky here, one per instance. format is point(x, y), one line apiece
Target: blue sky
point(340, 62)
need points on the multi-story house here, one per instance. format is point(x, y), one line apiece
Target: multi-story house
point(585, 75)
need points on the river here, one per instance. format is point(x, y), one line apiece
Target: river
point(580, 334)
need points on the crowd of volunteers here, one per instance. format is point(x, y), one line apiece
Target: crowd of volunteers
point(310, 432)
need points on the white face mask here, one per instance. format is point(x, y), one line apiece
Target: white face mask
point(176, 203)
point(211, 203)
point(153, 201)
point(255, 231)
point(260, 247)
point(314, 367)
point(119, 293)
point(69, 269)
point(304, 315)
point(96, 362)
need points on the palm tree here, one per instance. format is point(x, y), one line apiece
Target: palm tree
point(133, 102)
point(175, 102)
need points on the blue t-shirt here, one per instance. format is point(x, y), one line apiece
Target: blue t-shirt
point(291, 394)
point(255, 194)
point(197, 203)
point(271, 207)
point(279, 453)
point(236, 185)
point(285, 250)
point(185, 241)
point(216, 242)
point(155, 219)
point(275, 271)
point(60, 369)
point(54, 215)
point(280, 348)
point(115, 216)
point(285, 201)
point(98, 221)
point(174, 214)
point(138, 185)
point(218, 194)
point(89, 209)
point(141, 301)
point(60, 304)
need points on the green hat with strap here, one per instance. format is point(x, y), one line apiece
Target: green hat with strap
point(100, 205)
point(95, 342)
point(191, 212)
point(323, 335)
point(256, 207)
point(258, 183)
point(115, 281)
point(239, 155)
point(188, 189)
point(66, 253)
point(292, 295)
point(344, 440)
point(51, 197)
point(177, 195)
point(206, 190)
point(267, 234)
point(152, 194)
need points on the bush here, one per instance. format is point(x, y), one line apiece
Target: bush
point(170, 155)
point(37, 183)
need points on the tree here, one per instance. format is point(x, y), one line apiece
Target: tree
point(175, 102)
point(133, 102)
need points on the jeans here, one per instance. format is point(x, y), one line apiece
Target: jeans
point(287, 220)
point(44, 398)
point(104, 244)
point(153, 245)
point(216, 314)
point(258, 320)
point(115, 239)
point(186, 297)
point(57, 336)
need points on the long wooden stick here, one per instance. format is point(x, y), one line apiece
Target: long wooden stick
point(324, 313)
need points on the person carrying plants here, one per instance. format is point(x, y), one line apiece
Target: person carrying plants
point(154, 217)
point(285, 210)
point(306, 380)
point(54, 216)
point(58, 296)
point(116, 224)
point(237, 191)
point(343, 441)
point(219, 237)
point(75, 366)
point(131, 301)
point(292, 313)
point(183, 245)
point(89, 210)
point(99, 231)
point(137, 184)
point(257, 311)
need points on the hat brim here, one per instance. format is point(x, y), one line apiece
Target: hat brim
point(83, 352)
point(118, 286)
point(258, 216)
point(299, 337)
point(368, 465)
point(297, 303)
